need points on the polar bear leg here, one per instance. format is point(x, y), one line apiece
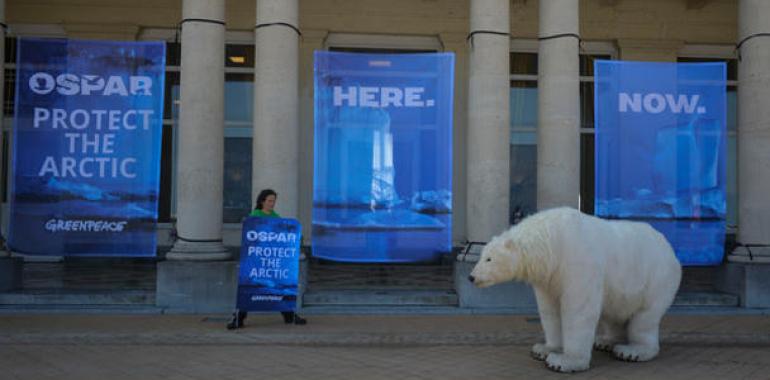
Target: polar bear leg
point(609, 334)
point(643, 332)
point(580, 316)
point(549, 318)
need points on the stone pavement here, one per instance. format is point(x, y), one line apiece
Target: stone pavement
point(87, 346)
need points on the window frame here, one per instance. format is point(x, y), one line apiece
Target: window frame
point(726, 52)
point(232, 129)
point(586, 48)
point(382, 41)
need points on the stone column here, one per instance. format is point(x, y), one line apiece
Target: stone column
point(488, 119)
point(275, 162)
point(753, 132)
point(558, 130)
point(200, 157)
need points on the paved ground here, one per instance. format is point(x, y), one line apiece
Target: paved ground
point(37, 346)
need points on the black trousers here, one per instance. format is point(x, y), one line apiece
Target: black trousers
point(288, 316)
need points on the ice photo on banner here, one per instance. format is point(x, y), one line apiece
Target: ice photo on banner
point(86, 147)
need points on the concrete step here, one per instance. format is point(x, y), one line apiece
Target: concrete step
point(380, 297)
point(706, 298)
point(78, 297)
point(80, 309)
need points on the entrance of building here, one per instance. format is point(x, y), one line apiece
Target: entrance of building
point(342, 285)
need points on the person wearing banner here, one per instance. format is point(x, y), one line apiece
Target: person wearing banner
point(265, 208)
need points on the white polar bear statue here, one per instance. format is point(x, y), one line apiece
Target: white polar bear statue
point(586, 272)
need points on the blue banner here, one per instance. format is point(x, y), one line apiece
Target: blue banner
point(269, 265)
point(660, 151)
point(383, 157)
point(86, 147)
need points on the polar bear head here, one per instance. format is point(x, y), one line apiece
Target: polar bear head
point(497, 263)
point(523, 253)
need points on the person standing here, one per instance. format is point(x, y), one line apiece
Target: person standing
point(265, 208)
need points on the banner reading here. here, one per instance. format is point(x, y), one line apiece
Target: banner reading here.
point(382, 183)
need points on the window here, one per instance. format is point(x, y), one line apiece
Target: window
point(587, 169)
point(524, 109)
point(239, 104)
point(9, 92)
point(523, 146)
point(699, 53)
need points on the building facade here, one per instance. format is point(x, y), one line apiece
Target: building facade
point(239, 104)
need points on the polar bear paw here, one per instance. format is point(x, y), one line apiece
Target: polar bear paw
point(604, 344)
point(562, 363)
point(540, 351)
point(634, 353)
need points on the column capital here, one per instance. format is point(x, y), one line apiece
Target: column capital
point(204, 9)
point(269, 11)
point(753, 17)
point(750, 255)
point(197, 251)
point(490, 15)
point(558, 17)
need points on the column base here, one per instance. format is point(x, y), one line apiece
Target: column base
point(750, 282)
point(198, 251)
point(197, 286)
point(508, 295)
point(755, 254)
point(10, 273)
point(302, 281)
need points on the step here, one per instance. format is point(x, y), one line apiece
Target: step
point(380, 297)
point(80, 309)
point(78, 297)
point(706, 298)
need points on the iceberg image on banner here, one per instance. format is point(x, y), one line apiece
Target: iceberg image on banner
point(86, 147)
point(661, 151)
point(382, 181)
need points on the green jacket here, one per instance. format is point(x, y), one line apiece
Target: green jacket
point(257, 212)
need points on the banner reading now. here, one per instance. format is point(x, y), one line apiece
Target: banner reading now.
point(660, 151)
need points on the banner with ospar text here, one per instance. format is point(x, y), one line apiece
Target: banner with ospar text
point(661, 151)
point(269, 264)
point(86, 147)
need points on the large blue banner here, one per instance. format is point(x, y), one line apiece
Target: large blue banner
point(269, 265)
point(383, 156)
point(86, 153)
point(660, 151)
